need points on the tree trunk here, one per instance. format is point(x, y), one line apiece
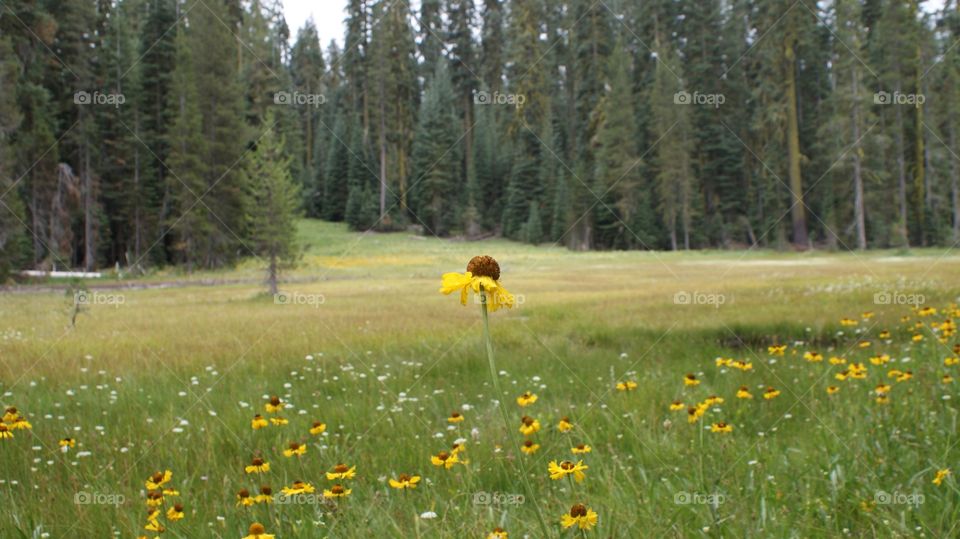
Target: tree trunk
point(272, 275)
point(797, 213)
point(88, 248)
point(902, 172)
point(858, 209)
point(954, 183)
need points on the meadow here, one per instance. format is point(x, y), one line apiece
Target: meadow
point(720, 394)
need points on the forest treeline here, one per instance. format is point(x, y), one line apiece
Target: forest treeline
point(132, 132)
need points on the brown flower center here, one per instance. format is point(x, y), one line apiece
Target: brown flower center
point(443, 455)
point(275, 401)
point(578, 511)
point(257, 462)
point(256, 529)
point(341, 468)
point(337, 489)
point(566, 465)
point(244, 493)
point(484, 266)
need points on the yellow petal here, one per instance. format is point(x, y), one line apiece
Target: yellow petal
point(451, 282)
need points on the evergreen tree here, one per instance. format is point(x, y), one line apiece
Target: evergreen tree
point(436, 156)
point(274, 202)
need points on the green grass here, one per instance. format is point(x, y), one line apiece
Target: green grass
point(171, 377)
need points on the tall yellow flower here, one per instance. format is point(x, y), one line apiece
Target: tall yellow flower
point(157, 480)
point(941, 475)
point(565, 468)
point(579, 516)
point(257, 531)
point(405, 481)
point(342, 471)
point(482, 272)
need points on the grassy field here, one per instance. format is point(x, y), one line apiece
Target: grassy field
point(166, 377)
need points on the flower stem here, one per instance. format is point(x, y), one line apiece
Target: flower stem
point(494, 377)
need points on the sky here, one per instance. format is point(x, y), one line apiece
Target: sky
point(328, 15)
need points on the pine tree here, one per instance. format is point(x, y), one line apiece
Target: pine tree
point(436, 161)
point(274, 202)
point(308, 71)
point(14, 244)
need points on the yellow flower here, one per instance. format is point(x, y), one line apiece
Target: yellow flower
point(483, 273)
point(867, 315)
point(676, 405)
point(529, 447)
point(157, 480)
point(565, 425)
point(318, 428)
point(842, 375)
point(257, 531)
point(154, 526)
point(295, 449)
point(579, 516)
point(10, 414)
point(882, 398)
point(814, 357)
point(497, 533)
point(884, 335)
point(848, 322)
point(744, 393)
point(21, 423)
point(694, 413)
point(336, 491)
point(628, 385)
point(581, 449)
point(175, 513)
point(713, 399)
point(274, 405)
point(882, 389)
point(529, 425)
point(67, 443)
point(341, 471)
point(777, 350)
point(244, 499)
point(455, 417)
point(947, 379)
point(904, 376)
point(154, 498)
point(526, 399)
point(832, 390)
point(444, 459)
point(721, 427)
point(691, 380)
point(257, 465)
point(258, 422)
point(457, 448)
point(723, 362)
point(950, 361)
point(880, 360)
point(565, 468)
point(5, 432)
point(927, 311)
point(265, 496)
point(298, 487)
point(405, 481)
point(941, 475)
point(742, 365)
point(917, 337)
point(278, 421)
point(864, 344)
point(837, 360)
point(771, 393)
